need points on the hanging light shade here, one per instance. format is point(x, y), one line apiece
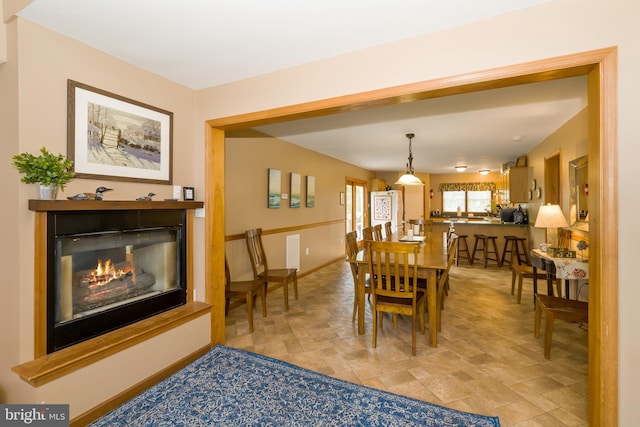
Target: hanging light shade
point(409, 178)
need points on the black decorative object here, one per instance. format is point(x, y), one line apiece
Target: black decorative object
point(188, 193)
point(98, 195)
point(146, 198)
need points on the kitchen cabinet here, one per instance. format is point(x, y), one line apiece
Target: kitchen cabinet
point(377, 185)
point(513, 186)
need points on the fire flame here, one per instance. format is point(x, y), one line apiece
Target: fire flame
point(104, 274)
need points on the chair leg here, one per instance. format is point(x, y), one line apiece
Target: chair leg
point(285, 288)
point(538, 320)
point(355, 301)
point(414, 318)
point(250, 311)
point(263, 296)
point(374, 334)
point(519, 299)
point(355, 308)
point(421, 312)
point(548, 334)
point(513, 281)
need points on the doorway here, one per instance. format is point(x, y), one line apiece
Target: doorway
point(355, 205)
point(601, 68)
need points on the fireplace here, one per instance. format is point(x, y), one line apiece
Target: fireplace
point(110, 268)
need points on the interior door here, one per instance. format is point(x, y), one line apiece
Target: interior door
point(356, 207)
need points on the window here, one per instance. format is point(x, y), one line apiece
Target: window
point(468, 201)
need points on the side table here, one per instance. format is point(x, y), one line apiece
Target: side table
point(557, 268)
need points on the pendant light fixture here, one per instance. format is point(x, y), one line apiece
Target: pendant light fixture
point(409, 178)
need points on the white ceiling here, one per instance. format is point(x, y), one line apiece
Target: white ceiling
point(203, 43)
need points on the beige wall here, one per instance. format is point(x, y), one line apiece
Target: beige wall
point(9, 253)
point(36, 102)
point(247, 162)
point(571, 141)
point(47, 60)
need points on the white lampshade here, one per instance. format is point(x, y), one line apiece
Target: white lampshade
point(550, 216)
point(409, 179)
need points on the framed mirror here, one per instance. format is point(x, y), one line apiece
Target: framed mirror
point(579, 192)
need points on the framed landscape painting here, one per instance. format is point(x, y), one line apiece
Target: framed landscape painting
point(294, 199)
point(311, 191)
point(115, 138)
point(274, 189)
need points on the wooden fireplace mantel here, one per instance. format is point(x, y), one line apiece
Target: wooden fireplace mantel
point(108, 205)
point(45, 368)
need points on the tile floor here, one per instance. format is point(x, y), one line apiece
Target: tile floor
point(487, 360)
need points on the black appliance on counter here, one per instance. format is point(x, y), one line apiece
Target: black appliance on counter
point(506, 215)
point(513, 215)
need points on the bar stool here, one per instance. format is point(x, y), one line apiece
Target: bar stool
point(515, 247)
point(463, 248)
point(485, 250)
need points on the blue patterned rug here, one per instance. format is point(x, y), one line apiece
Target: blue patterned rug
point(230, 387)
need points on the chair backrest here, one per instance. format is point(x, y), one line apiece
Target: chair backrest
point(352, 251)
point(351, 242)
point(388, 230)
point(377, 232)
point(367, 233)
point(253, 238)
point(393, 267)
point(451, 258)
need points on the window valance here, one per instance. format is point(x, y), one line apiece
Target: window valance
point(468, 186)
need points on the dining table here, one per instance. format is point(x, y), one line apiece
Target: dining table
point(431, 258)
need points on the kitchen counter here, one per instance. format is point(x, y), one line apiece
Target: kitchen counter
point(481, 226)
point(474, 221)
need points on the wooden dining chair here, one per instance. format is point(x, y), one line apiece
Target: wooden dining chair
point(377, 233)
point(394, 289)
point(246, 290)
point(367, 233)
point(388, 230)
point(273, 278)
point(352, 252)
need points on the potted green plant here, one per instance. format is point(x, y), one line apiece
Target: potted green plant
point(49, 171)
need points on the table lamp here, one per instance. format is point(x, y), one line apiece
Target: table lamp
point(551, 217)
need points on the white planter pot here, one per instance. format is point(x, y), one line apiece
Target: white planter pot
point(47, 192)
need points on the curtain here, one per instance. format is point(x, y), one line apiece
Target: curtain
point(468, 186)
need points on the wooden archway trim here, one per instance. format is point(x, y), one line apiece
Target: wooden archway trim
point(601, 68)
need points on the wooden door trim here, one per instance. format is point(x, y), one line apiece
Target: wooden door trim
point(601, 68)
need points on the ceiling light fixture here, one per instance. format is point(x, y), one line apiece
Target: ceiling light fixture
point(461, 168)
point(409, 178)
point(484, 171)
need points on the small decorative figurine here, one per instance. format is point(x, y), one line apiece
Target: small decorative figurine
point(582, 245)
point(146, 198)
point(91, 196)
